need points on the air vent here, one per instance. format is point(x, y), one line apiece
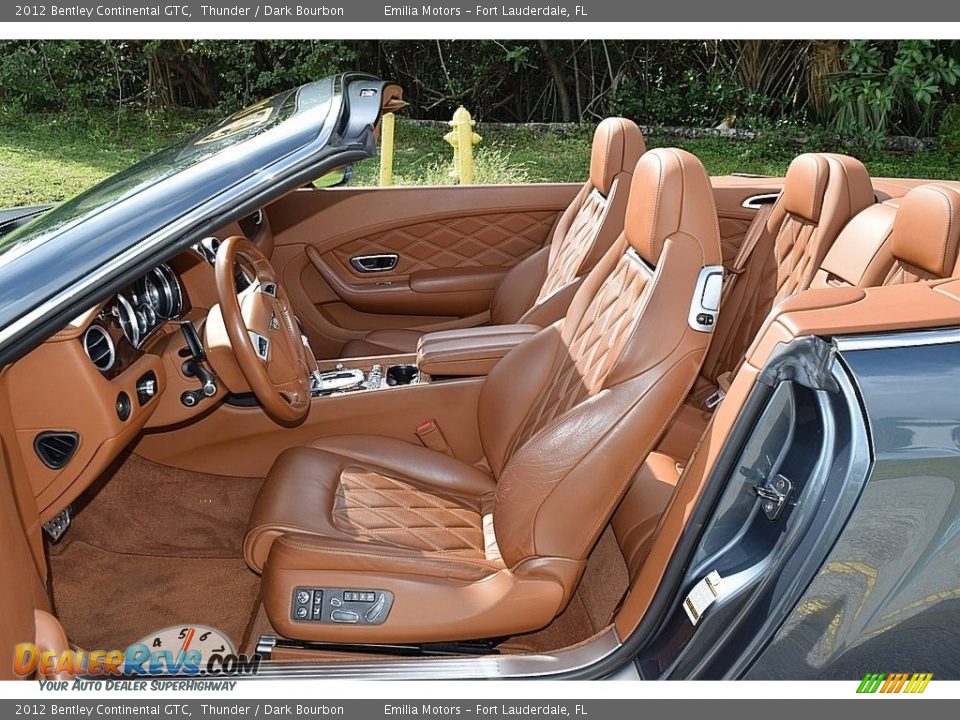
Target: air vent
point(99, 347)
point(208, 249)
point(55, 448)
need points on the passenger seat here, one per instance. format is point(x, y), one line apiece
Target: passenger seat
point(821, 193)
point(538, 290)
point(899, 241)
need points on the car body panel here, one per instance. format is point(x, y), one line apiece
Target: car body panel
point(887, 598)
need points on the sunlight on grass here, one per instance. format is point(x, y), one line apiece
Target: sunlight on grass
point(50, 158)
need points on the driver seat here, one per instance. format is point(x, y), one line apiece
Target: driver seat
point(377, 540)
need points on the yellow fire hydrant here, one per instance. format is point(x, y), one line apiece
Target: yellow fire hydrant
point(462, 138)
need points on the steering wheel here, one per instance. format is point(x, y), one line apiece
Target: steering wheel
point(263, 331)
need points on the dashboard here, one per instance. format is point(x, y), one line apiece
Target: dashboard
point(120, 369)
point(115, 339)
point(151, 301)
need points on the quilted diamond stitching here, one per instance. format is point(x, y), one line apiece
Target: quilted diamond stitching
point(795, 254)
point(574, 246)
point(594, 348)
point(396, 513)
point(496, 240)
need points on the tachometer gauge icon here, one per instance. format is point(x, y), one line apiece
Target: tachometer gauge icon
point(185, 649)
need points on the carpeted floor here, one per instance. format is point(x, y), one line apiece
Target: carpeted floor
point(150, 547)
point(591, 608)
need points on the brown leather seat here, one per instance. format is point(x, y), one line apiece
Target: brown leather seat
point(25, 604)
point(565, 420)
point(901, 240)
point(821, 193)
point(539, 289)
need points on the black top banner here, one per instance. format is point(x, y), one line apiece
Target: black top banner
point(473, 11)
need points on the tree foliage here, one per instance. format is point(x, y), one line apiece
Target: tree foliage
point(874, 87)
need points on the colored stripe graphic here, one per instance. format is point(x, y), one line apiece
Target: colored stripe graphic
point(914, 683)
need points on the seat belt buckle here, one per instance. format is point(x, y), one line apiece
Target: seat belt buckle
point(714, 399)
point(723, 385)
point(431, 436)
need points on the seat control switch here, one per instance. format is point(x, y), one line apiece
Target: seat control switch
point(342, 606)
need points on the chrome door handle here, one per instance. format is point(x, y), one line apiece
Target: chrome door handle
point(755, 201)
point(382, 262)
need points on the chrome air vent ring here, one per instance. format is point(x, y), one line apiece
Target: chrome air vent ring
point(169, 303)
point(129, 322)
point(99, 347)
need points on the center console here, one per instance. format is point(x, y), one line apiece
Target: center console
point(446, 355)
point(376, 376)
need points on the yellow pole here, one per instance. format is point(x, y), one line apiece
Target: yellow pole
point(462, 138)
point(386, 149)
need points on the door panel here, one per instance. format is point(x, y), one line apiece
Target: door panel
point(434, 256)
point(730, 192)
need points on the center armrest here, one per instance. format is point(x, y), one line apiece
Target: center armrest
point(469, 352)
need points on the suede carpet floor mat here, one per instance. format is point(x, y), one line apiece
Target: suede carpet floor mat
point(109, 600)
point(150, 547)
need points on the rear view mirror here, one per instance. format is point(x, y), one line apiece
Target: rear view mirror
point(335, 178)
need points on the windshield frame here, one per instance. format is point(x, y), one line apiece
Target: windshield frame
point(44, 287)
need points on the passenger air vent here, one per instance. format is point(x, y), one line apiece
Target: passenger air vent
point(55, 448)
point(99, 347)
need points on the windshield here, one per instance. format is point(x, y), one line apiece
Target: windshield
point(221, 138)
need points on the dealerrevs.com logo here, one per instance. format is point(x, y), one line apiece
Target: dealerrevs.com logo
point(182, 650)
point(891, 683)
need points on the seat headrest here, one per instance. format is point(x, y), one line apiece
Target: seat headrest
point(926, 233)
point(617, 145)
point(809, 176)
point(671, 193)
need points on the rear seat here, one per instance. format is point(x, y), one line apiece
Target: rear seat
point(821, 193)
point(908, 239)
point(901, 240)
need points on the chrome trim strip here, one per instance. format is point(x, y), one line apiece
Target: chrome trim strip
point(465, 668)
point(895, 339)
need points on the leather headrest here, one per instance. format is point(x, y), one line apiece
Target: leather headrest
point(811, 175)
point(926, 232)
point(617, 145)
point(805, 186)
point(671, 193)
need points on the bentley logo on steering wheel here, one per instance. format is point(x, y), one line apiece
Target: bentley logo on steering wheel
point(274, 324)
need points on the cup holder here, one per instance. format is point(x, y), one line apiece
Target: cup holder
point(402, 374)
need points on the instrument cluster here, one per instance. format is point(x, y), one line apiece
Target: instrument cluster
point(151, 301)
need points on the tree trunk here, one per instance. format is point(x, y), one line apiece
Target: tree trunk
point(566, 113)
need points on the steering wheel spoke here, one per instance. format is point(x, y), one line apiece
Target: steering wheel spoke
point(265, 338)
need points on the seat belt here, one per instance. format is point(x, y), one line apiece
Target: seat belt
point(750, 240)
point(757, 227)
point(432, 437)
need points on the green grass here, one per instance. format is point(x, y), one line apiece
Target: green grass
point(47, 158)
